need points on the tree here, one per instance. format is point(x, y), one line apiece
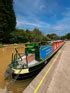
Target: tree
point(7, 19)
point(37, 31)
point(68, 36)
point(53, 36)
point(18, 36)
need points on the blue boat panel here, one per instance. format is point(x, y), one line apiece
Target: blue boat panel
point(45, 51)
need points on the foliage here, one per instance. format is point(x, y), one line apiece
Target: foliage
point(7, 20)
point(22, 36)
point(18, 36)
point(53, 36)
point(66, 37)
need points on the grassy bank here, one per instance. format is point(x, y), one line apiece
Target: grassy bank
point(1, 45)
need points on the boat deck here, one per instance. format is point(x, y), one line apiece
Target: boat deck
point(30, 60)
point(32, 63)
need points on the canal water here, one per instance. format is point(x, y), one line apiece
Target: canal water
point(5, 59)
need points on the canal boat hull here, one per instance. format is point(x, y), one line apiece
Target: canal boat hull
point(35, 58)
point(34, 70)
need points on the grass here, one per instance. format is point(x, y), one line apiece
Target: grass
point(1, 45)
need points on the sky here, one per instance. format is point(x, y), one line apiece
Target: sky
point(50, 16)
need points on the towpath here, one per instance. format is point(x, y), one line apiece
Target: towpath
point(55, 77)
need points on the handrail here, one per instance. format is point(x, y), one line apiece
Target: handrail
point(18, 54)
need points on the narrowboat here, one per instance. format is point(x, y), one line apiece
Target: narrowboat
point(33, 60)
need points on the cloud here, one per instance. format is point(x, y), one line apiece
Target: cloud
point(42, 7)
point(50, 16)
point(25, 23)
point(38, 24)
point(63, 25)
point(58, 27)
